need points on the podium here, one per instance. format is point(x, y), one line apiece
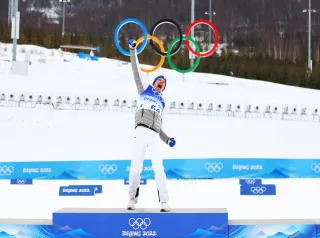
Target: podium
point(113, 223)
point(180, 223)
point(282, 228)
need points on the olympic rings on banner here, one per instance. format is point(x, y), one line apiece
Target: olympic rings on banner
point(171, 50)
point(210, 52)
point(116, 33)
point(159, 23)
point(153, 38)
point(169, 56)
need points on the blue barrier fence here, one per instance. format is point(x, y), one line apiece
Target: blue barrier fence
point(174, 168)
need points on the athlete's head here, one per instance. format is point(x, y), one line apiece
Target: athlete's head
point(159, 83)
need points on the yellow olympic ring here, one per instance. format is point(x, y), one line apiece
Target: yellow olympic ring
point(161, 48)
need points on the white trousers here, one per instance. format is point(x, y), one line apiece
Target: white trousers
point(145, 138)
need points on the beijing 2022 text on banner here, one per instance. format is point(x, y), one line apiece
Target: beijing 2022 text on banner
point(174, 168)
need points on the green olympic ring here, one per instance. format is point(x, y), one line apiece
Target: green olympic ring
point(193, 67)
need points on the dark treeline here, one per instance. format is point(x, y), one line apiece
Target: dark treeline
point(276, 28)
point(248, 63)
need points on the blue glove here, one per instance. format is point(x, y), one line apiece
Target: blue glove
point(132, 43)
point(172, 142)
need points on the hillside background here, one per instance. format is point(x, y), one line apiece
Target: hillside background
point(269, 36)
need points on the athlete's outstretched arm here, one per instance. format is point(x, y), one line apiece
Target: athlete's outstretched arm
point(138, 77)
point(164, 137)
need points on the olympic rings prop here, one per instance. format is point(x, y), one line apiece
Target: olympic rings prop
point(171, 51)
point(210, 52)
point(153, 38)
point(116, 33)
point(154, 28)
point(169, 56)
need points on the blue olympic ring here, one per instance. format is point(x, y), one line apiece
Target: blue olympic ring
point(144, 30)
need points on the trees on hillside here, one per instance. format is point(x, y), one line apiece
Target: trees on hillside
point(249, 63)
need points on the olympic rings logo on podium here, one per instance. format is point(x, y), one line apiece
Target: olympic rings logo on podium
point(139, 223)
point(171, 49)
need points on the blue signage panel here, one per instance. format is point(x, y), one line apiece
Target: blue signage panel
point(174, 169)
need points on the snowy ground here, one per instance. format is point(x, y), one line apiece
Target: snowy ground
point(297, 198)
point(53, 135)
point(44, 134)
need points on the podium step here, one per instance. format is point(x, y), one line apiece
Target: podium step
point(282, 228)
point(113, 223)
point(159, 227)
point(317, 221)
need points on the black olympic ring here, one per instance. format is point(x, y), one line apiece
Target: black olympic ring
point(154, 28)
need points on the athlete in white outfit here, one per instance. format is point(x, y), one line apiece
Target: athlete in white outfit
point(148, 133)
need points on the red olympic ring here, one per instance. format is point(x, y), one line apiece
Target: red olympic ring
point(215, 45)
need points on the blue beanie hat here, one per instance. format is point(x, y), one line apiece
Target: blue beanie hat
point(165, 81)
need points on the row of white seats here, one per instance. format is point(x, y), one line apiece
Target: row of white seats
point(174, 106)
point(238, 108)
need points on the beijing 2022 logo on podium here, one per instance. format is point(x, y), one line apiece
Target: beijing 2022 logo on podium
point(139, 227)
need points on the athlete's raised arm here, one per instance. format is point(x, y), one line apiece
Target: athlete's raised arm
point(138, 77)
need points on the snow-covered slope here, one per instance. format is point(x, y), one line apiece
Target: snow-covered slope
point(75, 135)
point(111, 78)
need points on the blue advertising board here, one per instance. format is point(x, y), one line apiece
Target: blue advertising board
point(174, 168)
point(273, 228)
point(80, 190)
point(255, 187)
